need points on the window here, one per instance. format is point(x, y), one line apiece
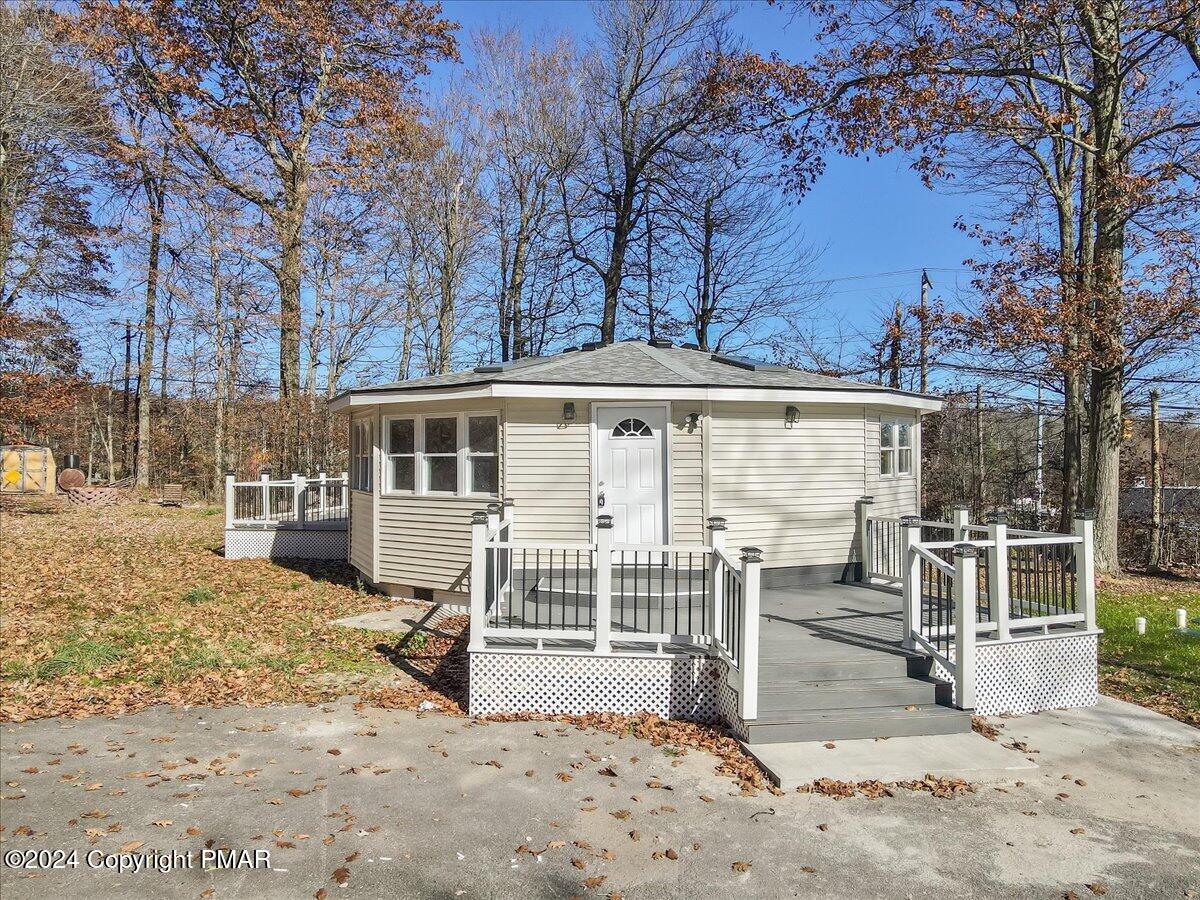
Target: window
point(362, 434)
point(483, 454)
point(631, 428)
point(402, 455)
point(441, 454)
point(895, 447)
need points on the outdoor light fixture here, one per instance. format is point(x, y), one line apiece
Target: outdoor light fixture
point(693, 419)
point(791, 415)
point(568, 412)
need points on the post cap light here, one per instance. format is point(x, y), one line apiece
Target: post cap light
point(568, 412)
point(791, 415)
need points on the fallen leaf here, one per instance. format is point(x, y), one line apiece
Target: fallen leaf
point(741, 866)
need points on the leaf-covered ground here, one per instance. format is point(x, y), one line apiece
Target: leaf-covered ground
point(1160, 669)
point(112, 610)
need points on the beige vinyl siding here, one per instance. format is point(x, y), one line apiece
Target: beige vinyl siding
point(547, 470)
point(426, 541)
point(687, 475)
point(788, 490)
point(894, 495)
point(362, 524)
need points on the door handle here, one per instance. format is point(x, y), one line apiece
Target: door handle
point(600, 500)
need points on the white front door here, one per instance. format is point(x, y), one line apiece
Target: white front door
point(631, 483)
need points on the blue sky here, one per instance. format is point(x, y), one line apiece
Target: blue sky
point(871, 215)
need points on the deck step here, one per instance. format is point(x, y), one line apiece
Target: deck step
point(868, 722)
point(870, 666)
point(784, 699)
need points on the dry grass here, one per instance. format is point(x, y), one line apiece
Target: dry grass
point(111, 610)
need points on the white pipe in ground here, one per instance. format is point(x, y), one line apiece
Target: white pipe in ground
point(1140, 623)
point(1181, 619)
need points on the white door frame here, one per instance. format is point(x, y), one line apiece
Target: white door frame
point(665, 406)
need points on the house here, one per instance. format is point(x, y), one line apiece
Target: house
point(659, 437)
point(640, 526)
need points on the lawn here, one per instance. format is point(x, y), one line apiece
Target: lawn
point(111, 610)
point(1160, 669)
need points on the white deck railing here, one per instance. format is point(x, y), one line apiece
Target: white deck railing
point(600, 593)
point(321, 502)
point(1004, 585)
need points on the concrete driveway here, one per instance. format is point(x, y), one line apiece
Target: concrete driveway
point(400, 804)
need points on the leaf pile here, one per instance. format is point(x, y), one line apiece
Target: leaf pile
point(943, 788)
point(441, 668)
point(111, 610)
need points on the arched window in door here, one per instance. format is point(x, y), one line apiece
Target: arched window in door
point(631, 428)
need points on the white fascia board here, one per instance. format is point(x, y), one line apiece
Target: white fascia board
point(346, 402)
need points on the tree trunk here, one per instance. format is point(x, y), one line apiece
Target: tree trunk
point(1101, 19)
point(221, 387)
point(288, 274)
point(1154, 559)
point(155, 199)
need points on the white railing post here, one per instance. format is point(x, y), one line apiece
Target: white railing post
point(965, 561)
point(862, 510)
point(493, 514)
point(299, 498)
point(716, 583)
point(748, 651)
point(910, 579)
point(961, 519)
point(997, 557)
point(604, 525)
point(1085, 569)
point(479, 525)
point(346, 493)
point(321, 495)
point(265, 477)
point(230, 500)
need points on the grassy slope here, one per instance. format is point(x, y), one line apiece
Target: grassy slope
point(110, 610)
point(1160, 669)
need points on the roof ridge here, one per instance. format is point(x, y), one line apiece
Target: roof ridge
point(668, 360)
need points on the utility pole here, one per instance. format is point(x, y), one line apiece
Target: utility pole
point(1155, 560)
point(125, 398)
point(925, 286)
point(979, 449)
point(894, 355)
point(1039, 483)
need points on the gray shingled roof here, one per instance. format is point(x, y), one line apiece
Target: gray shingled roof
point(633, 363)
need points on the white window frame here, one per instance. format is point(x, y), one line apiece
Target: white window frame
point(388, 455)
point(362, 445)
point(894, 451)
point(421, 480)
point(468, 468)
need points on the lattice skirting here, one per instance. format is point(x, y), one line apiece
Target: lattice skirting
point(674, 687)
point(281, 543)
point(1032, 675)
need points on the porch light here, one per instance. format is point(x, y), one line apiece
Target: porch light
point(568, 412)
point(693, 419)
point(791, 415)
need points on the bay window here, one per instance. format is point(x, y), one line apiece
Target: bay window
point(402, 455)
point(441, 454)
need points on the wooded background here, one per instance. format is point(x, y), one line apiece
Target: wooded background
point(216, 214)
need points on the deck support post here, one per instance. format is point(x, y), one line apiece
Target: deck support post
point(716, 584)
point(321, 495)
point(748, 651)
point(230, 492)
point(479, 528)
point(264, 480)
point(604, 526)
point(299, 498)
point(998, 589)
point(910, 580)
point(1085, 568)
point(346, 494)
point(862, 511)
point(961, 519)
point(965, 597)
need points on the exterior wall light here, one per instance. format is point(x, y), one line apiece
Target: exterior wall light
point(568, 412)
point(693, 419)
point(791, 415)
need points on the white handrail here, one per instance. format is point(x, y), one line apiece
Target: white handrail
point(941, 564)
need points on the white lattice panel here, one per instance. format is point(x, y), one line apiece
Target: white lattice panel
point(1028, 676)
point(1032, 675)
point(676, 687)
point(727, 706)
point(270, 544)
